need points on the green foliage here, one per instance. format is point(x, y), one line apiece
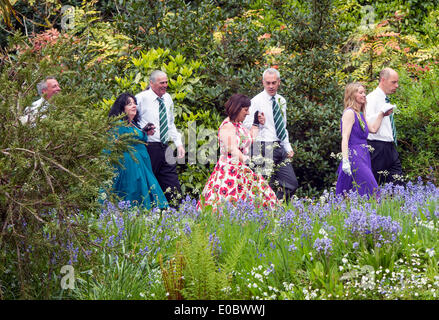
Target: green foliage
point(114, 277)
point(415, 11)
point(172, 274)
point(183, 75)
point(377, 46)
point(417, 119)
point(354, 13)
point(52, 168)
point(309, 72)
point(204, 278)
point(350, 14)
point(104, 44)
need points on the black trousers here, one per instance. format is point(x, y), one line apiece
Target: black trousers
point(386, 166)
point(270, 155)
point(164, 168)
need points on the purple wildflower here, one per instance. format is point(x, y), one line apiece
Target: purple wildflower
point(215, 243)
point(323, 246)
point(187, 229)
point(381, 229)
point(143, 251)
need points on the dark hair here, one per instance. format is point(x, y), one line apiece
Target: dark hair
point(235, 104)
point(118, 107)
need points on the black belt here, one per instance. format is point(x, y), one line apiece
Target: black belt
point(270, 142)
point(161, 144)
point(380, 141)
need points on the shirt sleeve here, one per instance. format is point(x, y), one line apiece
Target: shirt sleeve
point(248, 121)
point(372, 108)
point(173, 133)
point(141, 105)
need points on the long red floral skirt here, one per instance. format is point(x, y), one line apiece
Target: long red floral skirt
point(233, 180)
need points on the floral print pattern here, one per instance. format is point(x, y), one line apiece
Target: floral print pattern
point(232, 180)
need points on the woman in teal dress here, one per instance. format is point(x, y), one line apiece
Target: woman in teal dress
point(135, 181)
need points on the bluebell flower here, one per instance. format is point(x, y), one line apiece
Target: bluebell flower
point(144, 250)
point(187, 229)
point(323, 246)
point(111, 241)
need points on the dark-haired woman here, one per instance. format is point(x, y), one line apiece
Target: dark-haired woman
point(135, 181)
point(232, 180)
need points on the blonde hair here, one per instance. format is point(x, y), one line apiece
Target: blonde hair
point(349, 97)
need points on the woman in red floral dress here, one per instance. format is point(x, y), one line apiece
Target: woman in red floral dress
point(232, 179)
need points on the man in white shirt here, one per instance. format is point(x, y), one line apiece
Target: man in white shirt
point(272, 141)
point(386, 165)
point(155, 106)
point(46, 89)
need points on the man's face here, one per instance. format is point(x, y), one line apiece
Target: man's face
point(390, 84)
point(271, 83)
point(52, 88)
point(160, 85)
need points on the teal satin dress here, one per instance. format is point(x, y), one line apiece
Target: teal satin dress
point(135, 180)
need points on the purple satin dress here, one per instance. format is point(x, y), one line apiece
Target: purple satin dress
point(362, 178)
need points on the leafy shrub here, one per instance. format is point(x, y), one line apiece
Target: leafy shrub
point(417, 121)
point(309, 69)
point(415, 11)
point(53, 168)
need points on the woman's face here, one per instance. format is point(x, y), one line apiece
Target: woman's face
point(131, 109)
point(242, 114)
point(360, 96)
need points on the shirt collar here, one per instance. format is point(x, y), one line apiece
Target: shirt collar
point(269, 97)
point(381, 92)
point(153, 94)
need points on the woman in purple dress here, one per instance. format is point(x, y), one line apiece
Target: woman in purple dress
point(355, 170)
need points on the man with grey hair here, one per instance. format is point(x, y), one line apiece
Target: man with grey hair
point(46, 89)
point(386, 165)
point(273, 141)
point(155, 106)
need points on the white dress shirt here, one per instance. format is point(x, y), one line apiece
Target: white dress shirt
point(376, 100)
point(262, 102)
point(30, 113)
point(148, 107)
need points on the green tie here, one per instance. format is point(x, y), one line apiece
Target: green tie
point(392, 121)
point(278, 121)
point(163, 121)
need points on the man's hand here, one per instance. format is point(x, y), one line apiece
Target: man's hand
point(180, 152)
point(290, 154)
point(149, 129)
point(261, 118)
point(387, 109)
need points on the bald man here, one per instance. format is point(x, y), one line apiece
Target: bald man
point(386, 165)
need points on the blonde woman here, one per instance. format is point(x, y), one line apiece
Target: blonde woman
point(355, 170)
